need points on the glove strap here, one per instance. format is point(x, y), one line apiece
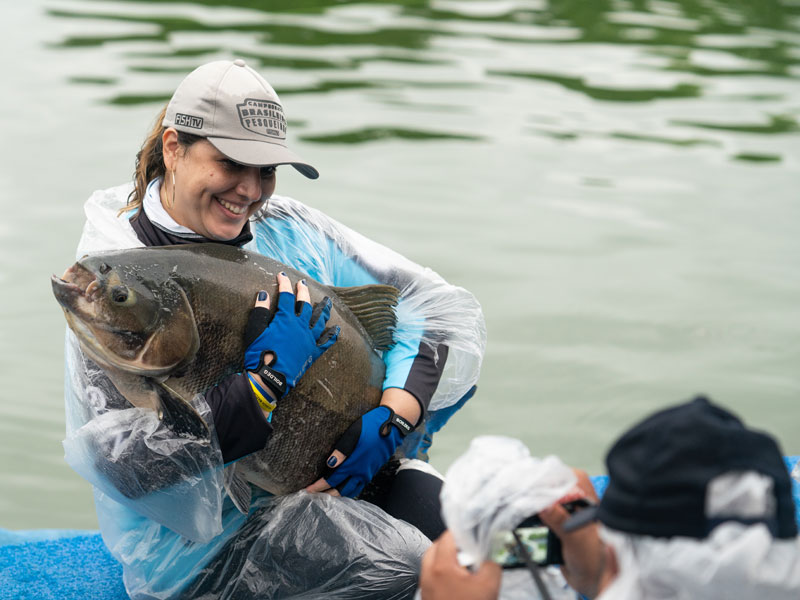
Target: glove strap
point(273, 380)
point(403, 426)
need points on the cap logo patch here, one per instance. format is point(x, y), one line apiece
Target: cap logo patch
point(188, 121)
point(263, 117)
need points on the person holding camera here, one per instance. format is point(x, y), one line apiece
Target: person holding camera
point(697, 506)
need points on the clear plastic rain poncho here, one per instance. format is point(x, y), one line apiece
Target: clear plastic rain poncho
point(494, 486)
point(176, 533)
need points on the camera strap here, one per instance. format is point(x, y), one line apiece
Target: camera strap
point(532, 567)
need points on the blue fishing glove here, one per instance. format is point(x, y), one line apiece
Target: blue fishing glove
point(296, 340)
point(367, 445)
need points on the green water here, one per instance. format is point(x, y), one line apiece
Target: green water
point(616, 181)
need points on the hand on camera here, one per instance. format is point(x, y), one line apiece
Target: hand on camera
point(442, 578)
point(585, 555)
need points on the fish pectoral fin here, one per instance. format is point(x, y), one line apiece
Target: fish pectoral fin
point(145, 392)
point(136, 389)
point(238, 489)
point(373, 306)
point(178, 415)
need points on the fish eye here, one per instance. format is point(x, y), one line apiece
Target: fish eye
point(121, 295)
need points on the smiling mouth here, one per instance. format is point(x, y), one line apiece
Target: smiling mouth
point(234, 208)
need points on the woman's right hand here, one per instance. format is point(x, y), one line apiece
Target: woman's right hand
point(280, 347)
point(587, 563)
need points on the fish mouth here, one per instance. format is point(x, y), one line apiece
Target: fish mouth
point(77, 290)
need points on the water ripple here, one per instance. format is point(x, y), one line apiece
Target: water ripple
point(423, 55)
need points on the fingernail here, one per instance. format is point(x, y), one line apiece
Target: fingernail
point(262, 295)
point(282, 273)
point(332, 461)
point(303, 281)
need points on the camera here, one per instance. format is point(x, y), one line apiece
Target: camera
point(543, 546)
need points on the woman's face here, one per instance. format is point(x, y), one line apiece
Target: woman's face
point(214, 196)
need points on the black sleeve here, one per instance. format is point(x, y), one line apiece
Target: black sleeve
point(425, 373)
point(238, 419)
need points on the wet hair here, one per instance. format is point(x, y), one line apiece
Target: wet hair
point(150, 160)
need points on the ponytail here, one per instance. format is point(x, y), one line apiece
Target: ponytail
point(150, 161)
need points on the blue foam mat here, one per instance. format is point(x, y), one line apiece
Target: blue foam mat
point(60, 564)
point(66, 567)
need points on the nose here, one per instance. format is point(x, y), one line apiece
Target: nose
point(249, 184)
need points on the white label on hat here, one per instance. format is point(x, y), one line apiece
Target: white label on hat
point(262, 117)
point(742, 494)
point(188, 121)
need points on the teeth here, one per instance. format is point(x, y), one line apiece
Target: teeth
point(237, 210)
point(90, 290)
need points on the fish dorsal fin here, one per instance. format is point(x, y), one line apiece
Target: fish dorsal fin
point(373, 306)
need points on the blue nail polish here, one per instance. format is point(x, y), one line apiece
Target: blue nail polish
point(303, 281)
point(332, 461)
point(262, 295)
point(282, 273)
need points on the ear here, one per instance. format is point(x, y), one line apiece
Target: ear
point(169, 142)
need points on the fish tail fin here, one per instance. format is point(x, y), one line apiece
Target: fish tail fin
point(373, 306)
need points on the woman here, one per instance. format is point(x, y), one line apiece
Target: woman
point(207, 172)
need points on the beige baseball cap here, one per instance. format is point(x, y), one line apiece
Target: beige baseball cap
point(236, 110)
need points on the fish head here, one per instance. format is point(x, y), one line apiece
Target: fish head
point(128, 316)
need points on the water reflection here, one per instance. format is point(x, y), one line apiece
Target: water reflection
point(412, 24)
point(776, 124)
point(614, 179)
point(380, 133)
point(419, 55)
point(679, 90)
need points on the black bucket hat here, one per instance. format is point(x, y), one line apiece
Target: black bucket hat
point(659, 473)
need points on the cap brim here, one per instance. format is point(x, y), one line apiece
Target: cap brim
point(582, 518)
point(258, 154)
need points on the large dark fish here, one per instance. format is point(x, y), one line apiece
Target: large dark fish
point(167, 323)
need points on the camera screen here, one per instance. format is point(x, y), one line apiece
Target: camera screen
point(504, 546)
